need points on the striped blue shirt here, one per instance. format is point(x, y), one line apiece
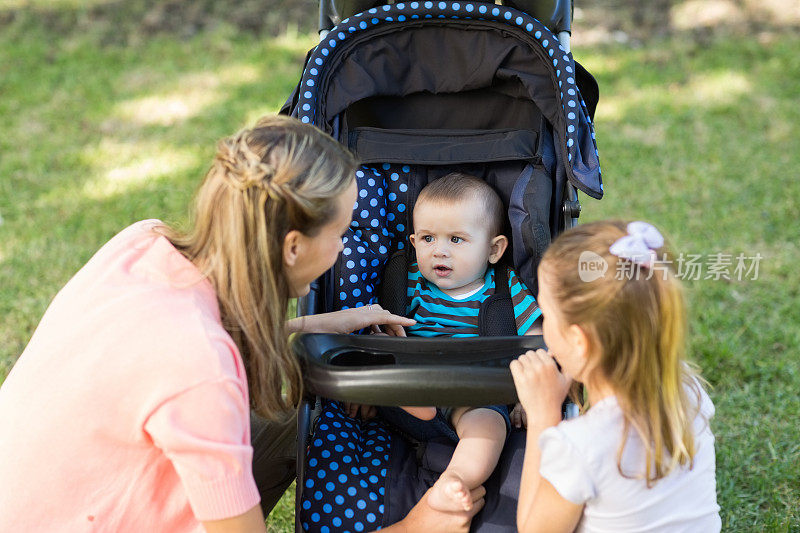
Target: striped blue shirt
point(438, 314)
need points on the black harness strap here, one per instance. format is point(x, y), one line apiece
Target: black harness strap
point(392, 293)
point(496, 316)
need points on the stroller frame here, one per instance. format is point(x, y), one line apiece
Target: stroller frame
point(323, 372)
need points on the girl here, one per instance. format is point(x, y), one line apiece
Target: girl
point(129, 410)
point(642, 457)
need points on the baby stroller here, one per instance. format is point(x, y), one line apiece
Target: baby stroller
point(417, 90)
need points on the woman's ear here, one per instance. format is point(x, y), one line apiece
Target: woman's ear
point(497, 247)
point(292, 244)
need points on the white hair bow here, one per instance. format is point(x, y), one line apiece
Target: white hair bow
point(639, 244)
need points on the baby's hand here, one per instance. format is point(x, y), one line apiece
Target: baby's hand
point(367, 411)
point(518, 417)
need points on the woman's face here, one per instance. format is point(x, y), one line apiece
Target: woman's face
point(317, 254)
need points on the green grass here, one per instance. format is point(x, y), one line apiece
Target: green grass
point(701, 140)
point(95, 138)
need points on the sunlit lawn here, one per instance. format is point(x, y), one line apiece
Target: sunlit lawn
point(701, 140)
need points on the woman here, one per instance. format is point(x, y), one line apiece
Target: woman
point(129, 410)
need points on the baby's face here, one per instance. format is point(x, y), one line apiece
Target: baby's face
point(453, 244)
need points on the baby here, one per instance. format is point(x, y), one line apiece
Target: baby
point(458, 222)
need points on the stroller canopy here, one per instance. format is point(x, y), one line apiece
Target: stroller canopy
point(374, 77)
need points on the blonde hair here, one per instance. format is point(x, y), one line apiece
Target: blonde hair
point(264, 182)
point(457, 187)
point(637, 331)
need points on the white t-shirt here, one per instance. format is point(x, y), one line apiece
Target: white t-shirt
point(579, 458)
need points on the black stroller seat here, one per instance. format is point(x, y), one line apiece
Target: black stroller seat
point(359, 475)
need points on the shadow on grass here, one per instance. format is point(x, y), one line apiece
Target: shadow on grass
point(120, 22)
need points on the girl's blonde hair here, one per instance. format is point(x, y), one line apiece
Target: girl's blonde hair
point(279, 176)
point(635, 320)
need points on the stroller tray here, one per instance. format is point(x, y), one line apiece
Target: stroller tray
point(380, 370)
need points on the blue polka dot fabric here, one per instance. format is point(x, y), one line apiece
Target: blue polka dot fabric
point(578, 140)
point(378, 229)
point(345, 480)
point(348, 460)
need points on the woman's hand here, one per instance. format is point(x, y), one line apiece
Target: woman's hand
point(541, 388)
point(349, 320)
point(425, 518)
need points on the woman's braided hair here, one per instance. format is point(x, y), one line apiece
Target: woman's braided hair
point(279, 176)
point(243, 169)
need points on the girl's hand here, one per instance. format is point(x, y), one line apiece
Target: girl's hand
point(518, 417)
point(540, 386)
point(349, 320)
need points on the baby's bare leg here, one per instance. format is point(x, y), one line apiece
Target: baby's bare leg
point(481, 433)
point(423, 413)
